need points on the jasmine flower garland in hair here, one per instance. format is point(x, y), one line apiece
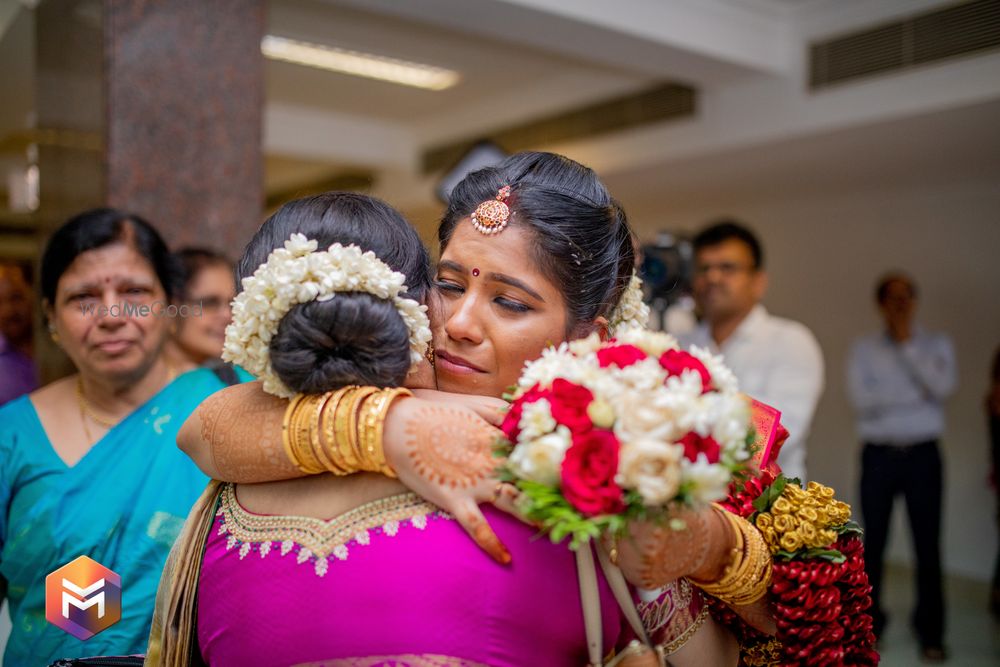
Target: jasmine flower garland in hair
point(300, 273)
point(631, 311)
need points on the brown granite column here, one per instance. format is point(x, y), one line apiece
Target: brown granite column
point(153, 106)
point(183, 83)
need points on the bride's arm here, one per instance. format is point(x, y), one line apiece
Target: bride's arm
point(440, 451)
point(712, 645)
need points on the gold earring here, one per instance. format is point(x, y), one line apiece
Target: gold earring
point(54, 334)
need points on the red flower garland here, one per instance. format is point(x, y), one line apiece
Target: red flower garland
point(820, 607)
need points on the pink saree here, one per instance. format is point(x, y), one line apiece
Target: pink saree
point(395, 582)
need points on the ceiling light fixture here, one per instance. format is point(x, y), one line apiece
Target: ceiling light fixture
point(356, 63)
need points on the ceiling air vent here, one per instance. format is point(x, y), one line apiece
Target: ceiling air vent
point(956, 30)
point(652, 105)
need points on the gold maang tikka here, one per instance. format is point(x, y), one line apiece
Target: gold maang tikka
point(492, 215)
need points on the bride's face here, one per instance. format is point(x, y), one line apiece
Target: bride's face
point(492, 309)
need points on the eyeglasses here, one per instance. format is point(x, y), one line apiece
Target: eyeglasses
point(725, 268)
point(210, 304)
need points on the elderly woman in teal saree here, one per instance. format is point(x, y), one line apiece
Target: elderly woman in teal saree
point(89, 464)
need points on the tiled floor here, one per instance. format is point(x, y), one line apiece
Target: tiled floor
point(973, 638)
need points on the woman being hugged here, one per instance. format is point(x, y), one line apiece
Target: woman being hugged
point(88, 463)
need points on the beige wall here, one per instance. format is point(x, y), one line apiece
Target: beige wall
point(824, 254)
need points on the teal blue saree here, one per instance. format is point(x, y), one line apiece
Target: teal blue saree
point(122, 504)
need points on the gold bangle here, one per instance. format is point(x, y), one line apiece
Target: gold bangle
point(330, 432)
point(304, 434)
point(286, 431)
point(355, 427)
point(377, 446)
point(338, 440)
point(296, 434)
point(368, 415)
point(747, 578)
point(325, 433)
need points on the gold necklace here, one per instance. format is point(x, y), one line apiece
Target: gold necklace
point(87, 411)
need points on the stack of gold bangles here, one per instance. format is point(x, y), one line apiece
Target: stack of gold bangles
point(339, 431)
point(747, 577)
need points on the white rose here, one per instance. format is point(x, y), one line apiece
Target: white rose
point(541, 460)
point(652, 468)
point(639, 418)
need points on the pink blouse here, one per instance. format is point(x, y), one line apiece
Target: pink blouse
point(394, 582)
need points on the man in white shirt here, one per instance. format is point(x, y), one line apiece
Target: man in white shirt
point(777, 361)
point(898, 381)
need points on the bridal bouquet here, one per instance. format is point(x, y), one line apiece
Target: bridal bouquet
point(601, 433)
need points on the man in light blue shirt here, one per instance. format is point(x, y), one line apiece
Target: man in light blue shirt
point(898, 380)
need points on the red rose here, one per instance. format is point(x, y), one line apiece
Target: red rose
point(676, 362)
point(588, 474)
point(694, 445)
point(619, 355)
point(569, 403)
point(511, 422)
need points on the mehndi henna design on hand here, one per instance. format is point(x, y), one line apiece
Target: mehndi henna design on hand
point(450, 447)
point(242, 426)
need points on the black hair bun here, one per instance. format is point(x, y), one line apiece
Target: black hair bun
point(353, 338)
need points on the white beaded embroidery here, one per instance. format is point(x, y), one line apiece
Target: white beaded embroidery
point(324, 538)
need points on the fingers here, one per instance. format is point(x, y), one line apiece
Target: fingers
point(474, 523)
point(505, 499)
point(491, 414)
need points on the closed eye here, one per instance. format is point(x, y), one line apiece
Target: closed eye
point(512, 306)
point(450, 287)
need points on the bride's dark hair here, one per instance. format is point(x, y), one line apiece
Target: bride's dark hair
point(355, 337)
point(584, 242)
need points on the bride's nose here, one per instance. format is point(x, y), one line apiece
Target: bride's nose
point(464, 321)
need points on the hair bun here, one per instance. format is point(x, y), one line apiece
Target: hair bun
point(353, 338)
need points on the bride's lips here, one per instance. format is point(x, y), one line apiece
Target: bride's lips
point(455, 364)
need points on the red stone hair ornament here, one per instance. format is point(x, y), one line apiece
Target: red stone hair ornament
point(492, 215)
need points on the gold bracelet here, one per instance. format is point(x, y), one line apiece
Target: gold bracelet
point(329, 445)
point(368, 446)
point(304, 432)
point(286, 431)
point(325, 433)
point(380, 427)
point(295, 434)
point(372, 424)
point(355, 427)
point(747, 579)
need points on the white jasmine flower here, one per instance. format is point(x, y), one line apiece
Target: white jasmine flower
point(536, 420)
point(706, 482)
point(299, 273)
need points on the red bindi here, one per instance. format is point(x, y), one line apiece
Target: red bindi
point(475, 272)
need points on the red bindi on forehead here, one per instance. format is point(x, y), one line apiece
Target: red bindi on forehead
point(475, 272)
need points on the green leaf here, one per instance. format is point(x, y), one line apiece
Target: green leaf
point(831, 555)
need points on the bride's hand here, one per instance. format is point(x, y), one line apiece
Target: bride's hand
point(444, 453)
point(689, 542)
point(490, 408)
